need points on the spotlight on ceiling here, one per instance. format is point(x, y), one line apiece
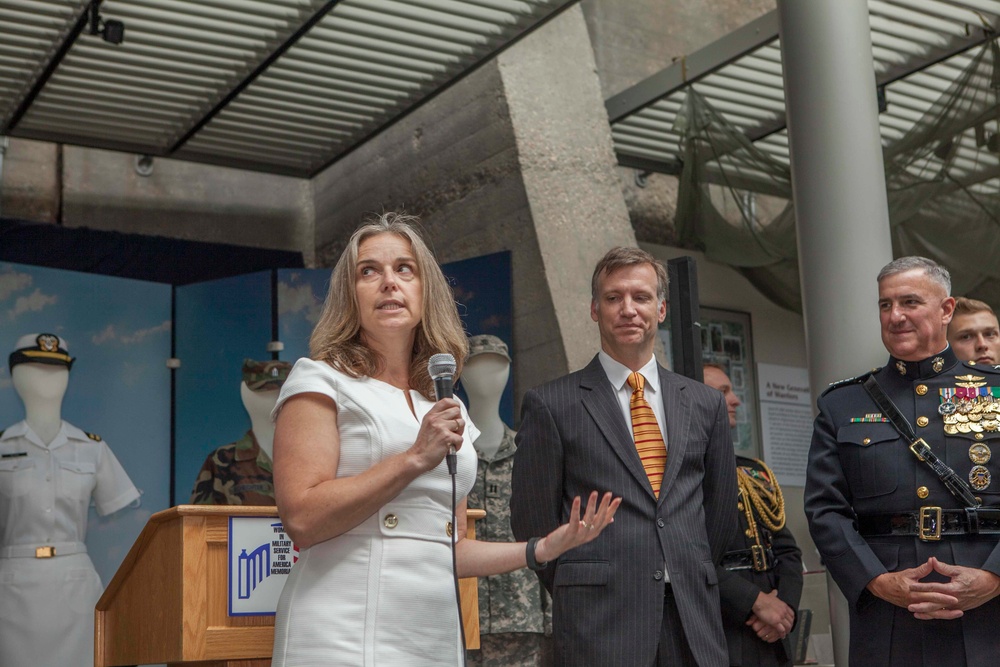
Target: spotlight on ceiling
point(144, 165)
point(111, 31)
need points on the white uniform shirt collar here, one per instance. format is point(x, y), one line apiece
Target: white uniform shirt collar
point(66, 432)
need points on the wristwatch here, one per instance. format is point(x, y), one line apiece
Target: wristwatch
point(529, 555)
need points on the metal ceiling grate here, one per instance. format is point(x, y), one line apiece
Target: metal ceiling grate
point(286, 86)
point(364, 64)
point(31, 33)
point(919, 46)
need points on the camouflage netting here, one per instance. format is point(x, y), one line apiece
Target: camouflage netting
point(941, 178)
point(733, 202)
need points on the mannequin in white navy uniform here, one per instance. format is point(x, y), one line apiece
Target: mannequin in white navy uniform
point(50, 471)
point(511, 617)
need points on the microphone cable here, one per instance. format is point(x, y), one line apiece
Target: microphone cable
point(441, 368)
point(452, 469)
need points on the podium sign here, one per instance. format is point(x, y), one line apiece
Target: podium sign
point(261, 556)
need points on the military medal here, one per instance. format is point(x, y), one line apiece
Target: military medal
point(980, 453)
point(979, 478)
point(970, 406)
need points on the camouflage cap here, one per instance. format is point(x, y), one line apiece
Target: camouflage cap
point(44, 348)
point(262, 375)
point(487, 344)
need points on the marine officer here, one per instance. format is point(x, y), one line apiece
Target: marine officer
point(903, 507)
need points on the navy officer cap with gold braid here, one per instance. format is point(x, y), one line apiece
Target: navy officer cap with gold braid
point(44, 348)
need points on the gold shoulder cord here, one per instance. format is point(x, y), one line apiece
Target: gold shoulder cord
point(747, 508)
point(766, 498)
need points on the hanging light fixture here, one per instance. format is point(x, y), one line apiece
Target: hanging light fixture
point(110, 30)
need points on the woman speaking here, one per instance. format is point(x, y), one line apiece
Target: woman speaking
point(360, 478)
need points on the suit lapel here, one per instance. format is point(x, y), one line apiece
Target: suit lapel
point(601, 403)
point(677, 413)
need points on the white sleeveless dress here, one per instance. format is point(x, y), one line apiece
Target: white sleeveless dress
point(382, 594)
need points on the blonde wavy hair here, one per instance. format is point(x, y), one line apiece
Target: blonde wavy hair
point(337, 338)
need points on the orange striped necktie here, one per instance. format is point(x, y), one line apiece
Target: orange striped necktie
point(648, 439)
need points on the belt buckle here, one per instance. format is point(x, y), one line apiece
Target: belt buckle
point(929, 515)
point(45, 552)
point(919, 445)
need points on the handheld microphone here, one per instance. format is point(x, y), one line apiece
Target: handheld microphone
point(441, 367)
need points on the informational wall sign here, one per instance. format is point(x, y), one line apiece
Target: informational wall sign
point(260, 557)
point(786, 420)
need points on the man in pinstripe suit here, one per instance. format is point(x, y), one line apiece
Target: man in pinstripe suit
point(645, 592)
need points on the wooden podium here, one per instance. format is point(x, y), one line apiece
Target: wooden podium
point(168, 602)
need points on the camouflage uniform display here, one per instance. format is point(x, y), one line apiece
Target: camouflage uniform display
point(239, 473)
point(512, 621)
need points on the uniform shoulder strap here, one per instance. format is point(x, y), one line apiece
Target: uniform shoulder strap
point(858, 379)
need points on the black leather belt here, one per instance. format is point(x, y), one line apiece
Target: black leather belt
point(932, 523)
point(757, 558)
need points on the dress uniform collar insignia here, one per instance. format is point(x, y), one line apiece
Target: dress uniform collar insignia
point(925, 368)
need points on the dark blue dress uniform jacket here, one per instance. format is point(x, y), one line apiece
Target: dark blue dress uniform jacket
point(858, 468)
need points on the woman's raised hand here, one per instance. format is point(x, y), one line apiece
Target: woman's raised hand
point(578, 530)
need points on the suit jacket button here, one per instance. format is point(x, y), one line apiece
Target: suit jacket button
point(658, 575)
point(390, 521)
point(660, 523)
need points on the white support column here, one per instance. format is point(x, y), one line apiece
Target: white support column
point(3, 151)
point(838, 184)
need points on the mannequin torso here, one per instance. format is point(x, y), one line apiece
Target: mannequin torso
point(511, 619)
point(240, 473)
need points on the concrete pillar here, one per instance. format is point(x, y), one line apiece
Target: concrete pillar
point(838, 184)
point(567, 163)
